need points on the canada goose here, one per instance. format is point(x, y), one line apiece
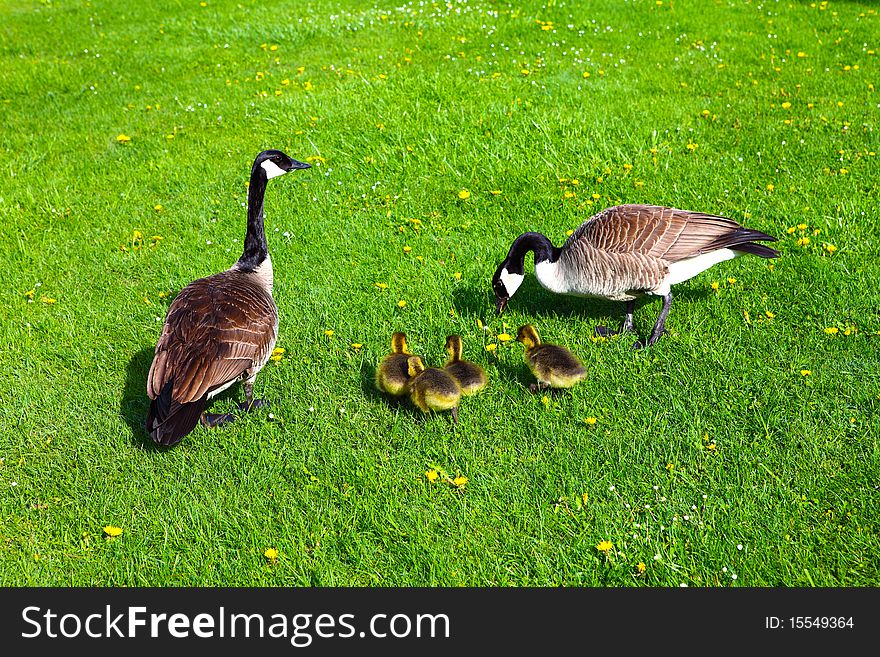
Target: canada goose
point(552, 365)
point(627, 251)
point(392, 374)
point(470, 376)
point(219, 329)
point(432, 389)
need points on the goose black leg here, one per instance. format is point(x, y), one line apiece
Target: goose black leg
point(660, 326)
point(537, 387)
point(250, 403)
point(626, 327)
point(455, 415)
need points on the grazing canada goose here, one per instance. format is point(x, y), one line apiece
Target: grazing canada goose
point(470, 376)
point(219, 329)
point(628, 251)
point(552, 365)
point(392, 374)
point(432, 389)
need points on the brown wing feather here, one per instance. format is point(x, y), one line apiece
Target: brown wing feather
point(660, 232)
point(218, 329)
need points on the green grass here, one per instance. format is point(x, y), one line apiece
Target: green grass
point(406, 105)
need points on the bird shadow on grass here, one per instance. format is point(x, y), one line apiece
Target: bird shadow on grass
point(532, 299)
point(134, 404)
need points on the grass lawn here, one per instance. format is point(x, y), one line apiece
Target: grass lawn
point(740, 450)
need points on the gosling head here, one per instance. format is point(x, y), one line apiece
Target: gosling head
point(506, 281)
point(415, 366)
point(528, 336)
point(275, 163)
point(398, 343)
point(453, 347)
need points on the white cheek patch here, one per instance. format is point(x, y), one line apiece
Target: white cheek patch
point(272, 170)
point(511, 281)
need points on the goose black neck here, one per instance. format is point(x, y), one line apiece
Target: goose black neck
point(255, 246)
point(537, 243)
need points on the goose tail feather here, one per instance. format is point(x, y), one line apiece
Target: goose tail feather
point(168, 421)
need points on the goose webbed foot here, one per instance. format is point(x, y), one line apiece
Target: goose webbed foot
point(214, 420)
point(604, 332)
point(252, 405)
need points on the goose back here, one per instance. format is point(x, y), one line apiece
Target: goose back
point(219, 330)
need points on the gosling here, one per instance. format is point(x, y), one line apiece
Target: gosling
point(432, 389)
point(552, 365)
point(392, 374)
point(470, 376)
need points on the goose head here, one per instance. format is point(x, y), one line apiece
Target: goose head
point(276, 163)
point(506, 281)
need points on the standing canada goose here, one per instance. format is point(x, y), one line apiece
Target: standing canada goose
point(219, 329)
point(552, 365)
point(628, 251)
point(432, 389)
point(392, 374)
point(470, 376)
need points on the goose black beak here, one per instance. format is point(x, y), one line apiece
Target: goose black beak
point(296, 164)
point(500, 304)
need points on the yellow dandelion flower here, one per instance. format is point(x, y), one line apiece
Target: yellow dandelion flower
point(731, 280)
point(356, 345)
point(692, 147)
point(123, 139)
point(545, 400)
point(464, 195)
point(705, 112)
point(381, 286)
point(460, 481)
point(47, 300)
point(504, 337)
point(495, 192)
point(525, 71)
point(158, 207)
point(586, 74)
point(30, 294)
point(786, 105)
point(401, 304)
point(769, 314)
point(491, 347)
point(670, 467)
point(604, 546)
point(270, 553)
point(432, 475)
point(770, 187)
point(627, 167)
point(806, 372)
point(641, 568)
point(830, 248)
point(329, 333)
point(714, 286)
point(591, 420)
point(711, 447)
point(112, 531)
point(801, 55)
point(803, 241)
point(802, 226)
point(407, 249)
point(832, 330)
point(457, 276)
